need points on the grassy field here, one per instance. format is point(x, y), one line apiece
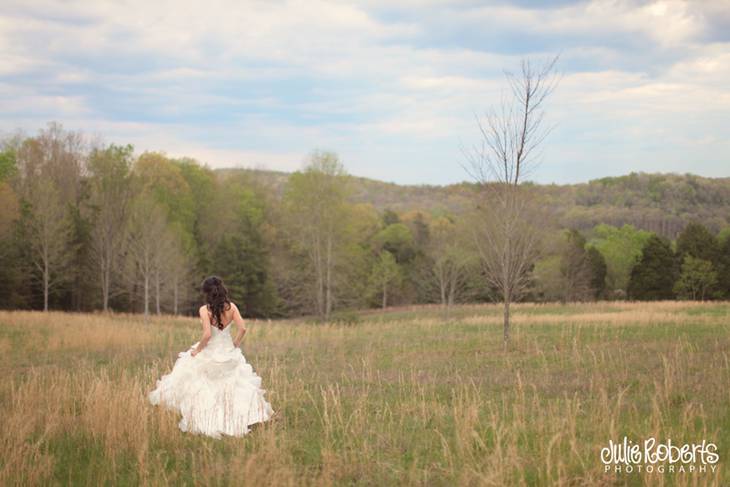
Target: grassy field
point(410, 396)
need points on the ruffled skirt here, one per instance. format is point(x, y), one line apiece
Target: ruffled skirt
point(217, 391)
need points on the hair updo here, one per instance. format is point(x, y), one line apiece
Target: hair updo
point(216, 298)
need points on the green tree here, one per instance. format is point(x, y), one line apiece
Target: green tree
point(9, 268)
point(165, 180)
point(451, 258)
point(575, 268)
point(599, 271)
point(386, 275)
point(390, 217)
point(9, 209)
point(109, 200)
point(240, 250)
point(696, 240)
point(575, 271)
point(548, 279)
point(77, 296)
point(204, 189)
point(397, 239)
point(7, 163)
point(697, 279)
point(653, 276)
point(723, 236)
point(316, 203)
point(723, 268)
point(419, 228)
point(621, 248)
point(243, 262)
point(48, 179)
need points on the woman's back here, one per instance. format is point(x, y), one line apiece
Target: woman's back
point(227, 315)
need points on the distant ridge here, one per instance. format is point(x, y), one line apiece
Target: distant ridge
point(660, 202)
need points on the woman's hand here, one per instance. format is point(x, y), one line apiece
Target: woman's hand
point(205, 322)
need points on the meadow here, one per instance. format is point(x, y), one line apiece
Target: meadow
point(411, 396)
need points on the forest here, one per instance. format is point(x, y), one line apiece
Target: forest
point(87, 226)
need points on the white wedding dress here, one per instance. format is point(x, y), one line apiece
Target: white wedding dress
point(216, 391)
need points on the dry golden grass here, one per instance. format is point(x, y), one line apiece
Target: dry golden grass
point(403, 397)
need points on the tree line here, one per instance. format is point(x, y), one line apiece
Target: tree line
point(92, 226)
point(629, 263)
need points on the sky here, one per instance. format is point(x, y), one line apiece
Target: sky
point(394, 88)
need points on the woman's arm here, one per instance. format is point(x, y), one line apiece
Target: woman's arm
point(239, 324)
point(206, 331)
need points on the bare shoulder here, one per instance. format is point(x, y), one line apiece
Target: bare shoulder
point(202, 310)
point(234, 307)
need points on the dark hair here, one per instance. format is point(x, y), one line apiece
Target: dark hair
point(216, 298)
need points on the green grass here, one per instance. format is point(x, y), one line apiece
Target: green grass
point(405, 396)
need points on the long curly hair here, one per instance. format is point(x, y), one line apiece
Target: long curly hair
point(216, 298)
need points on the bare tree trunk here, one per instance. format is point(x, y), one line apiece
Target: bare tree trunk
point(508, 150)
point(507, 275)
point(320, 277)
point(175, 295)
point(105, 281)
point(46, 281)
point(452, 291)
point(48, 178)
point(442, 287)
point(146, 295)
point(506, 331)
point(157, 290)
point(328, 303)
point(315, 202)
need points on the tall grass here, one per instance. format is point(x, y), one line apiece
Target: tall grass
point(403, 397)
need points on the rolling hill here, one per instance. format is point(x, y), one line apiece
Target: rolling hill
point(663, 203)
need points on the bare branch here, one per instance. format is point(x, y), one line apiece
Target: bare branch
point(507, 235)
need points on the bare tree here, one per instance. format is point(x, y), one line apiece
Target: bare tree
point(110, 186)
point(49, 233)
point(147, 239)
point(180, 269)
point(452, 260)
point(508, 234)
point(168, 256)
point(48, 180)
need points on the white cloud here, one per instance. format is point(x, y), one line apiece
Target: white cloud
point(269, 80)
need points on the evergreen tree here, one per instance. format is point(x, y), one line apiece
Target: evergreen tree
point(599, 270)
point(696, 240)
point(240, 249)
point(723, 269)
point(242, 261)
point(398, 240)
point(574, 268)
point(653, 276)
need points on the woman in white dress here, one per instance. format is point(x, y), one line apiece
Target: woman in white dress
point(211, 384)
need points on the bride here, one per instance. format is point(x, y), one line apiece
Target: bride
point(211, 384)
